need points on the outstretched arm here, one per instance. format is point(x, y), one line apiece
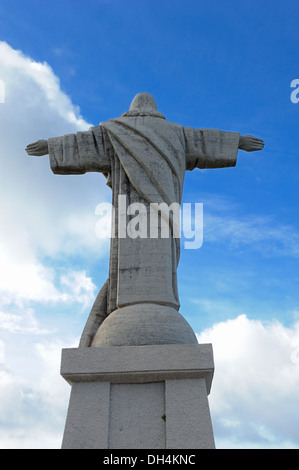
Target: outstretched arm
point(74, 154)
point(250, 143)
point(212, 148)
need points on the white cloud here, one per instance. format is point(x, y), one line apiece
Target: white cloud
point(24, 278)
point(79, 288)
point(49, 353)
point(35, 201)
point(42, 217)
point(33, 407)
point(40, 77)
point(2, 352)
point(24, 323)
point(254, 396)
point(41, 214)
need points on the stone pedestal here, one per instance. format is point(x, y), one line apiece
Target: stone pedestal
point(139, 397)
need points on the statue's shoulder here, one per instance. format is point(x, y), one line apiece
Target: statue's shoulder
point(175, 126)
point(172, 128)
point(95, 128)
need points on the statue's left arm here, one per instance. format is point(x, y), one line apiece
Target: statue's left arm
point(74, 153)
point(212, 148)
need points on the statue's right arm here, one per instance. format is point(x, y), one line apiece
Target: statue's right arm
point(38, 148)
point(74, 154)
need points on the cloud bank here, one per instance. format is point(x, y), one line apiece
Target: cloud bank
point(254, 396)
point(253, 399)
point(40, 215)
point(44, 219)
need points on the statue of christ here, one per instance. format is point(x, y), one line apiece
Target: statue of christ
point(144, 157)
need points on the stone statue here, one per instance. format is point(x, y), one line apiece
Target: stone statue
point(144, 157)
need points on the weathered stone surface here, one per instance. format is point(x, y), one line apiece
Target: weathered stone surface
point(189, 423)
point(145, 360)
point(144, 158)
point(136, 412)
point(88, 416)
point(143, 324)
point(138, 363)
point(131, 397)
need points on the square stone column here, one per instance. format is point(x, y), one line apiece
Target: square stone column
point(139, 397)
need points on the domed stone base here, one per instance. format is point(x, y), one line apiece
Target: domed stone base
point(144, 324)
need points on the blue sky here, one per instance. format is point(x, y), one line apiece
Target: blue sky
point(67, 65)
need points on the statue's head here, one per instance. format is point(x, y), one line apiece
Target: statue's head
point(143, 104)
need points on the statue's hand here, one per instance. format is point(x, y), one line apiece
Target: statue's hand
point(250, 143)
point(38, 148)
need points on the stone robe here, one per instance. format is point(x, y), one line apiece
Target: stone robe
point(145, 159)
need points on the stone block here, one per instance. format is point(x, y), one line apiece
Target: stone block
point(139, 397)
